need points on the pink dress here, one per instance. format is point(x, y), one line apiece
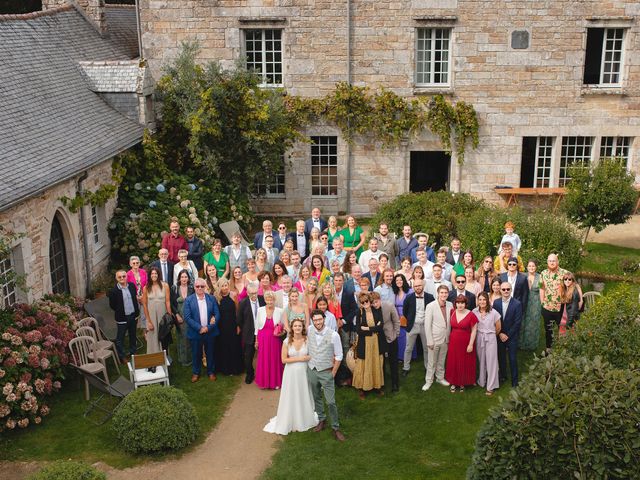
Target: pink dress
point(269, 366)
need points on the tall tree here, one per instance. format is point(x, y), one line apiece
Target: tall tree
point(600, 196)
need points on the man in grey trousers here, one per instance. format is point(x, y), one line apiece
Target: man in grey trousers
point(325, 350)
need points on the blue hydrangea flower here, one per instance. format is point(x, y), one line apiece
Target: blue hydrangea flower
point(160, 188)
point(152, 203)
point(192, 186)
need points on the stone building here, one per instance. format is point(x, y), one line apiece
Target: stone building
point(73, 95)
point(554, 82)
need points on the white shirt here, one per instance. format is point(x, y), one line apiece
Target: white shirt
point(456, 255)
point(366, 256)
point(202, 307)
point(301, 244)
point(419, 310)
point(427, 268)
point(335, 340)
point(316, 223)
point(512, 282)
point(505, 305)
point(330, 321)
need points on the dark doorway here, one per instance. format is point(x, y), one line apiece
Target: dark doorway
point(429, 171)
point(58, 259)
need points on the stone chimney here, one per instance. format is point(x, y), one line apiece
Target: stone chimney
point(93, 10)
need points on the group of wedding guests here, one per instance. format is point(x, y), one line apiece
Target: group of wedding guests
point(232, 302)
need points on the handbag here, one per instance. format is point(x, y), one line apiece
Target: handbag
point(352, 356)
point(403, 321)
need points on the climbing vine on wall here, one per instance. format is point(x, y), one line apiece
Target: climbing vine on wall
point(388, 117)
point(101, 195)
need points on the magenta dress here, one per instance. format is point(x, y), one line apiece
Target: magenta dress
point(269, 366)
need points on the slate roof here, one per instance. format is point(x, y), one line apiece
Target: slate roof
point(113, 76)
point(52, 126)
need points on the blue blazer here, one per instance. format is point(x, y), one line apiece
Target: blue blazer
point(191, 315)
point(371, 284)
point(409, 307)
point(511, 319)
point(308, 225)
point(349, 307)
point(431, 256)
point(259, 238)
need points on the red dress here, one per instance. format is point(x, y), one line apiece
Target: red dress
point(461, 366)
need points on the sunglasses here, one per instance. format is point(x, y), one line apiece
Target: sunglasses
point(461, 281)
point(567, 279)
point(365, 301)
point(282, 228)
point(512, 264)
point(505, 289)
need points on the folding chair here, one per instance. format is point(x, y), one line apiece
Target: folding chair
point(81, 349)
point(118, 389)
point(140, 365)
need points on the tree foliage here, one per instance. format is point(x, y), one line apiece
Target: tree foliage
point(600, 196)
point(220, 121)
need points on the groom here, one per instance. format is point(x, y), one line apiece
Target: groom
point(325, 350)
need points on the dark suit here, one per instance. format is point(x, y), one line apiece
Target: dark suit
point(308, 225)
point(372, 281)
point(471, 298)
point(170, 265)
point(201, 340)
point(259, 239)
point(247, 328)
point(521, 290)
point(125, 323)
point(409, 312)
point(196, 251)
point(449, 258)
point(404, 249)
point(511, 321)
point(293, 236)
point(349, 308)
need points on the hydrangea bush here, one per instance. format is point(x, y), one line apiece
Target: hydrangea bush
point(33, 353)
point(146, 207)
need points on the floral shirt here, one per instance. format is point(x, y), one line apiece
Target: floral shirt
point(551, 283)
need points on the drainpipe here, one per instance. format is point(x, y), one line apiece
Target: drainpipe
point(85, 240)
point(139, 29)
point(349, 153)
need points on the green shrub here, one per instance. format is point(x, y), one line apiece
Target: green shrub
point(68, 470)
point(541, 233)
point(570, 418)
point(436, 213)
point(154, 419)
point(610, 328)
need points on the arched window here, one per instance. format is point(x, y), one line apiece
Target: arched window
point(58, 259)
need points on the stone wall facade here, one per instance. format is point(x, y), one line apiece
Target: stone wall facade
point(537, 91)
point(33, 219)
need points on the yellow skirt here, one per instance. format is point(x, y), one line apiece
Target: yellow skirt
point(369, 373)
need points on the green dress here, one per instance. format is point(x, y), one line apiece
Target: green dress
point(351, 240)
point(331, 237)
point(221, 263)
point(530, 329)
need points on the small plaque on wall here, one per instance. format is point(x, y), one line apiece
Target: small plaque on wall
point(520, 39)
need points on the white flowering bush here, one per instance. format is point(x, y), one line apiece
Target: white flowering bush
point(145, 209)
point(33, 354)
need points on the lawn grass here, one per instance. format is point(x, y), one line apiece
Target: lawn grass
point(411, 434)
point(66, 434)
point(605, 259)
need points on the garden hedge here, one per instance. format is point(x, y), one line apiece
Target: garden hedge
point(68, 470)
point(570, 418)
point(155, 418)
point(480, 226)
point(610, 328)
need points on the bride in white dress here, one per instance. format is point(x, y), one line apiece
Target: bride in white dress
point(295, 408)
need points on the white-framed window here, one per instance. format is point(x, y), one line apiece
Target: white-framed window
point(615, 147)
point(324, 166)
point(95, 225)
point(604, 57)
point(8, 294)
point(433, 56)
point(544, 159)
point(575, 151)
point(275, 186)
point(263, 49)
